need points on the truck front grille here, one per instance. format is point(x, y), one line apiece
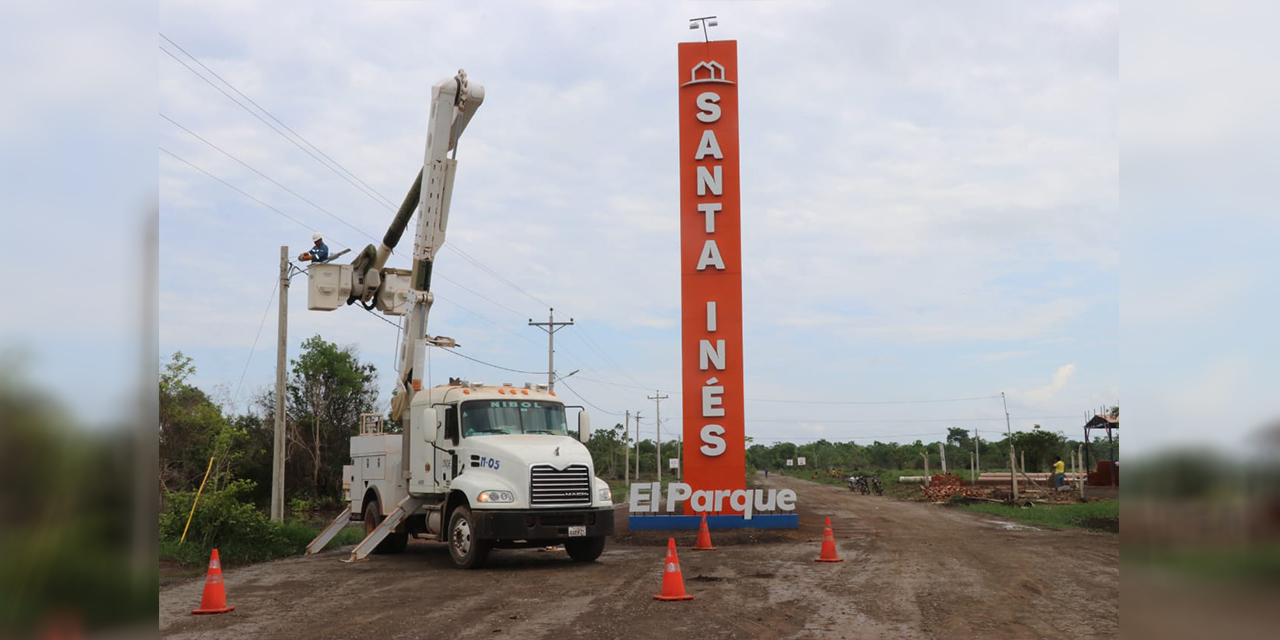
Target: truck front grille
point(551, 487)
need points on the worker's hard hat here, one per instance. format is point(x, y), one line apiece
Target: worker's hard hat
point(316, 236)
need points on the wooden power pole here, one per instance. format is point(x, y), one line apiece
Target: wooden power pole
point(657, 421)
point(282, 358)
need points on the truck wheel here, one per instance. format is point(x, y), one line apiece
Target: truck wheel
point(467, 550)
point(394, 542)
point(584, 549)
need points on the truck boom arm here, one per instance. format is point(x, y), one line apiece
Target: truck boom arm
point(454, 102)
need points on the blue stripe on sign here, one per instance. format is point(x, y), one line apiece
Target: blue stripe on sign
point(664, 523)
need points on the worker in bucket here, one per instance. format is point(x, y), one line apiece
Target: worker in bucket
point(318, 253)
point(1059, 473)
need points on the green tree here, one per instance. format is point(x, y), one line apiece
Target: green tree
point(192, 429)
point(328, 389)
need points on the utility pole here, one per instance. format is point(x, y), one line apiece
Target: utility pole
point(637, 445)
point(551, 327)
point(657, 402)
point(1007, 426)
point(1013, 474)
point(626, 447)
point(977, 458)
point(282, 357)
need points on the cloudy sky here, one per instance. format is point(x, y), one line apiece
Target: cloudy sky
point(930, 198)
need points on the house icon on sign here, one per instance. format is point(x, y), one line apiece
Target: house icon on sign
point(705, 72)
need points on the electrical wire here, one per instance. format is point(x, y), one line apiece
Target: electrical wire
point(277, 120)
point(268, 178)
point(257, 335)
point(350, 177)
point(273, 128)
point(907, 421)
point(850, 402)
point(243, 193)
point(584, 400)
point(495, 366)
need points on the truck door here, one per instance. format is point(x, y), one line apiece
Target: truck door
point(445, 451)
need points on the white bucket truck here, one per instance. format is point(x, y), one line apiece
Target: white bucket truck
point(478, 467)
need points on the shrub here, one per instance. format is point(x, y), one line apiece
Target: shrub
point(224, 520)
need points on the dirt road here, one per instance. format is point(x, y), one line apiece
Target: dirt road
point(911, 571)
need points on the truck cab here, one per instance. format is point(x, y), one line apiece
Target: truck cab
point(483, 467)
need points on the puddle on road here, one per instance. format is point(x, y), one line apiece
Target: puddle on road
point(1012, 526)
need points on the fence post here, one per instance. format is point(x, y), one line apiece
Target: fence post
point(1013, 473)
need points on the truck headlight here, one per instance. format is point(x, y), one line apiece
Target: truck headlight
point(604, 495)
point(496, 496)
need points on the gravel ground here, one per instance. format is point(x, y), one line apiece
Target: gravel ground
point(911, 570)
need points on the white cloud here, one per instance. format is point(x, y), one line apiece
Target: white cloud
point(1046, 393)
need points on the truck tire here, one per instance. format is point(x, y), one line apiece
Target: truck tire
point(584, 549)
point(467, 550)
point(393, 543)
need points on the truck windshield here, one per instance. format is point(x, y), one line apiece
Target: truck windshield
point(497, 417)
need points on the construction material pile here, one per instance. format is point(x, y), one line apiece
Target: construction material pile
point(942, 487)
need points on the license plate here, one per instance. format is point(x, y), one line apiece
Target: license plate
point(577, 532)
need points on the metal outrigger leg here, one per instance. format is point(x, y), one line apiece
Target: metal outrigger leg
point(408, 505)
point(330, 531)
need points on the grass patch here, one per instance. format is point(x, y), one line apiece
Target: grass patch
point(1104, 514)
point(1261, 562)
point(290, 539)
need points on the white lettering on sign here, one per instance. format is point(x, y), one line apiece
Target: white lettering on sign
point(710, 209)
point(711, 399)
point(709, 356)
point(711, 316)
point(747, 501)
point(713, 440)
point(639, 493)
point(710, 257)
point(712, 180)
point(708, 146)
point(678, 492)
point(708, 107)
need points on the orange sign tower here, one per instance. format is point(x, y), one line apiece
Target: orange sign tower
point(711, 268)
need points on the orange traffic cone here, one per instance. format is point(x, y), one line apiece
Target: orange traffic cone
point(704, 537)
point(214, 599)
point(828, 546)
point(672, 579)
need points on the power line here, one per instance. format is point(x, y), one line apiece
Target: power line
point(906, 421)
point(367, 189)
point(584, 400)
point(268, 178)
point(262, 322)
point(871, 402)
point(497, 275)
point(272, 116)
point(243, 192)
point(489, 364)
point(591, 343)
point(273, 127)
point(850, 438)
point(300, 223)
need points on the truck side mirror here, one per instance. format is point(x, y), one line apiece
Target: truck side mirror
point(584, 426)
point(431, 424)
